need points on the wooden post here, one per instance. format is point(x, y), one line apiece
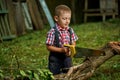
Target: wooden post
point(85, 8)
point(86, 4)
point(73, 10)
point(119, 8)
point(35, 14)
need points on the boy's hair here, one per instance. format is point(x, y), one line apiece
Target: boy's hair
point(61, 8)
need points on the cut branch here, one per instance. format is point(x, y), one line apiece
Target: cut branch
point(88, 67)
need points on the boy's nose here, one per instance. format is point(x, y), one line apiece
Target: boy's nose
point(67, 20)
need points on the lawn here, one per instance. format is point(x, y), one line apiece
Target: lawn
point(28, 52)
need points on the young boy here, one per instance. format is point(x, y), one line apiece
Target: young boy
point(59, 35)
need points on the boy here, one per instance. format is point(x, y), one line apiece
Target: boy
point(59, 57)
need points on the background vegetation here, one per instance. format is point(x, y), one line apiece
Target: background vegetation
point(27, 54)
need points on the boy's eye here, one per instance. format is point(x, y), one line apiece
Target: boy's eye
point(63, 18)
point(66, 18)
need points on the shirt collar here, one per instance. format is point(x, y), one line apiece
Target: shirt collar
point(61, 29)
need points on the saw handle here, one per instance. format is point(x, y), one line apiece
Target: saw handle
point(72, 51)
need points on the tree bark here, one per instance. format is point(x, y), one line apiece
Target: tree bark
point(88, 67)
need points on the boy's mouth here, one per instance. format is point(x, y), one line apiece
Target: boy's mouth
point(66, 24)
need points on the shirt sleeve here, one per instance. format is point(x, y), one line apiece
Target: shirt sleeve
point(74, 36)
point(50, 37)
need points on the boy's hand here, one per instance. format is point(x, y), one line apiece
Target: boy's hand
point(67, 51)
point(70, 50)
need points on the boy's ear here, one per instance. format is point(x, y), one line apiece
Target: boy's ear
point(56, 18)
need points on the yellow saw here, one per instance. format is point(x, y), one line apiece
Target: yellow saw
point(79, 52)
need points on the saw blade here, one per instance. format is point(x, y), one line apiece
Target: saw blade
point(87, 52)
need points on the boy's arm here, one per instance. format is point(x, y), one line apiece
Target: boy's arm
point(56, 49)
point(59, 50)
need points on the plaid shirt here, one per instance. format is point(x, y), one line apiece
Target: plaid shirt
point(64, 37)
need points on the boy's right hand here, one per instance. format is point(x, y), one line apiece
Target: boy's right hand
point(67, 51)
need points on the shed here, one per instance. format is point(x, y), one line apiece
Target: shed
point(19, 16)
point(102, 8)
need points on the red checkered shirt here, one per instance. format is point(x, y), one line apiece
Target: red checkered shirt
point(64, 37)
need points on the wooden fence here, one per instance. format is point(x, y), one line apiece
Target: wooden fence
point(19, 16)
point(5, 29)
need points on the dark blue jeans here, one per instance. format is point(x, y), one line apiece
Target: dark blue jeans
point(59, 63)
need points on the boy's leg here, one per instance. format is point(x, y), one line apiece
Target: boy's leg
point(54, 65)
point(67, 64)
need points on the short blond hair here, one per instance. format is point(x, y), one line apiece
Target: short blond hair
point(61, 8)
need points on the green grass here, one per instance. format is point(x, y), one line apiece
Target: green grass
point(29, 51)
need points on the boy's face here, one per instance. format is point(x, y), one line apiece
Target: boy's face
point(63, 19)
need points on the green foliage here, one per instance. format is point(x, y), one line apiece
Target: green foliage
point(27, 56)
point(39, 74)
point(1, 74)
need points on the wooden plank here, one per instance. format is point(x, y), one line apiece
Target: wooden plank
point(47, 12)
point(5, 19)
point(1, 39)
point(119, 8)
point(35, 24)
point(3, 12)
point(35, 14)
point(27, 17)
point(100, 10)
point(1, 5)
point(100, 14)
point(1, 29)
point(7, 25)
point(92, 10)
point(73, 11)
point(86, 4)
point(11, 18)
point(4, 5)
point(3, 26)
point(19, 19)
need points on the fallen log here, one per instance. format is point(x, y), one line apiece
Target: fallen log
point(90, 64)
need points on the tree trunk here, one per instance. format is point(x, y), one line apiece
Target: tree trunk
point(88, 67)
